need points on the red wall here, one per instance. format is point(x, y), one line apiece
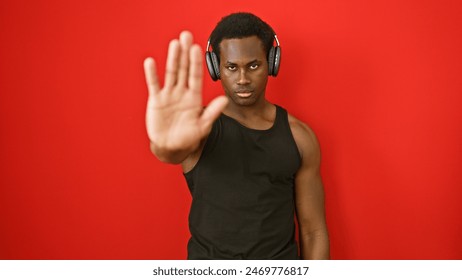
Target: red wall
point(379, 82)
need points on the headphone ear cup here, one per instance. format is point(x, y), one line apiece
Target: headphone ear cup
point(271, 61)
point(216, 65)
point(210, 66)
point(277, 61)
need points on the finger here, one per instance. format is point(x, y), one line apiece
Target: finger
point(211, 113)
point(195, 77)
point(171, 69)
point(150, 74)
point(186, 39)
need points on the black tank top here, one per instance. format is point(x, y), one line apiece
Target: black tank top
point(242, 191)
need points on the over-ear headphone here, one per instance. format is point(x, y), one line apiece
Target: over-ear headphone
point(274, 60)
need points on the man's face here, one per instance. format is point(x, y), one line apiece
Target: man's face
point(243, 70)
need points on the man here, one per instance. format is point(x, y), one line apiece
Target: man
point(249, 165)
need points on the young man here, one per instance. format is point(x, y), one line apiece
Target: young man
point(249, 165)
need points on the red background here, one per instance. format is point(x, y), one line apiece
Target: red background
point(378, 81)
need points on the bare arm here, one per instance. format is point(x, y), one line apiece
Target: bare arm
point(176, 122)
point(309, 196)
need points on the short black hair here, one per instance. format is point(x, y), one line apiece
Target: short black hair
point(241, 25)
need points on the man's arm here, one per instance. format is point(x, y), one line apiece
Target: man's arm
point(176, 122)
point(309, 195)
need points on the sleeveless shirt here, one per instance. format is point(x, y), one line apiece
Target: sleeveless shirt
point(242, 192)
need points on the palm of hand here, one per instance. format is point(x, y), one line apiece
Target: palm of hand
point(172, 119)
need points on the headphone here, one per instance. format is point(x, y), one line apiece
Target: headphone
point(274, 60)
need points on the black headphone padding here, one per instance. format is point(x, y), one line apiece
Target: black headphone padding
point(212, 65)
point(271, 61)
point(277, 61)
point(216, 64)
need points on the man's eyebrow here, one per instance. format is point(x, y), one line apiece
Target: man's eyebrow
point(253, 62)
point(248, 63)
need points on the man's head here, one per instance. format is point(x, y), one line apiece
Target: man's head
point(239, 26)
point(242, 44)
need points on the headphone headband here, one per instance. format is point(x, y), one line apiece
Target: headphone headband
point(276, 39)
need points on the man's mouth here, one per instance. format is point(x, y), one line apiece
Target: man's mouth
point(244, 93)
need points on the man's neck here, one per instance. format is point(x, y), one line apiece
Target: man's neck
point(257, 116)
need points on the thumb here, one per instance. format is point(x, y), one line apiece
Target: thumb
point(211, 113)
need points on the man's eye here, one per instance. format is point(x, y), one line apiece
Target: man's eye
point(254, 66)
point(231, 68)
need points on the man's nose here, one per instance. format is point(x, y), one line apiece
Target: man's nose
point(243, 79)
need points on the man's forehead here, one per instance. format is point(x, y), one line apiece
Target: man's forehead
point(242, 48)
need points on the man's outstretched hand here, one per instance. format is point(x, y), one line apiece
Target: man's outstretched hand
point(176, 121)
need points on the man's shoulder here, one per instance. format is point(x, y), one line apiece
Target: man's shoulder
point(301, 128)
point(304, 136)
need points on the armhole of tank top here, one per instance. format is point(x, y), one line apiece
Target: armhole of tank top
point(285, 120)
point(210, 143)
